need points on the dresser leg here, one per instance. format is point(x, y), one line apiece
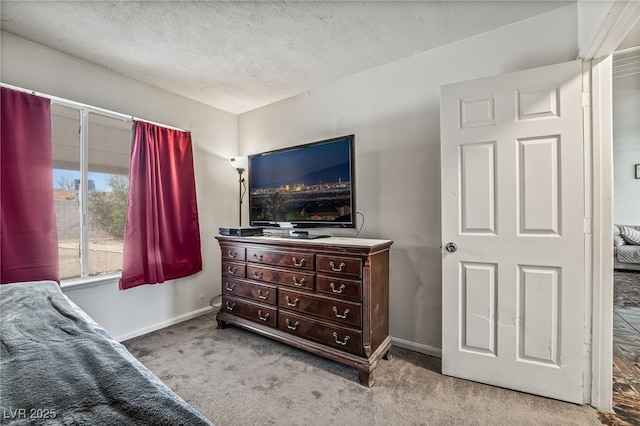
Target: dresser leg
point(365, 375)
point(221, 324)
point(387, 355)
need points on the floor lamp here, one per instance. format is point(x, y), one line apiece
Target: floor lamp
point(240, 164)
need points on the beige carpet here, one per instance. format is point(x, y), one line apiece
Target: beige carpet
point(235, 377)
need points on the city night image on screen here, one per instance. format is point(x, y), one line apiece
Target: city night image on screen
point(310, 183)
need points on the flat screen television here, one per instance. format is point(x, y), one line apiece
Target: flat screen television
point(310, 185)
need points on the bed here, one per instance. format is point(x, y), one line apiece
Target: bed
point(58, 366)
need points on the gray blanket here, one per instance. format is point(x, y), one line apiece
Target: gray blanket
point(57, 366)
point(628, 254)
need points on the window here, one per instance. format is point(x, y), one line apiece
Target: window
point(91, 156)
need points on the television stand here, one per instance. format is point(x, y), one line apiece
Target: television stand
point(328, 296)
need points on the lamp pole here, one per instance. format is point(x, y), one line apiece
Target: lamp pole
point(240, 181)
point(240, 164)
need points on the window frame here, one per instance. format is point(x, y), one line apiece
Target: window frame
point(83, 191)
point(86, 280)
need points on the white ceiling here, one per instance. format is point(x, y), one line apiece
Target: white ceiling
point(240, 55)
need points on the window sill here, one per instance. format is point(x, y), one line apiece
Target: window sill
point(86, 282)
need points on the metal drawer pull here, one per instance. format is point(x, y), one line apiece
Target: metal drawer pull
point(229, 286)
point(290, 303)
point(232, 270)
point(344, 342)
point(296, 263)
point(261, 295)
point(299, 282)
point(230, 306)
point(333, 288)
point(339, 268)
point(257, 274)
point(232, 253)
point(294, 326)
point(335, 311)
point(258, 258)
point(263, 318)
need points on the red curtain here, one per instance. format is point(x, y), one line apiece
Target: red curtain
point(162, 235)
point(28, 232)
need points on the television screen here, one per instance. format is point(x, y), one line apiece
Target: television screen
point(309, 185)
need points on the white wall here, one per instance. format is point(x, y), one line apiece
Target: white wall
point(128, 313)
point(591, 16)
point(626, 149)
point(394, 112)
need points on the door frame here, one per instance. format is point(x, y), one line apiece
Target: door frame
point(598, 139)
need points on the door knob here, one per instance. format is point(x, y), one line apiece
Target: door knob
point(451, 247)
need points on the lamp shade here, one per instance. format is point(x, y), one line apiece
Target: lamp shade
point(238, 162)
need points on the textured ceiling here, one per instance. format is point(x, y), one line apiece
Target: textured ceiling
point(240, 55)
point(626, 61)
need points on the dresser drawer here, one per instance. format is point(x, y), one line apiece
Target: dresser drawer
point(343, 313)
point(260, 292)
point(339, 287)
point(233, 253)
point(338, 337)
point(299, 280)
point(281, 258)
point(260, 313)
point(233, 269)
point(337, 265)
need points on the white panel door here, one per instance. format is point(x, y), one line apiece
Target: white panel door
point(513, 209)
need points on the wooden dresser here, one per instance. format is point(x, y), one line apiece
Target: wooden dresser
point(329, 296)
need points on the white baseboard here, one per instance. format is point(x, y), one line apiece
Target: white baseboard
point(163, 324)
point(417, 347)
